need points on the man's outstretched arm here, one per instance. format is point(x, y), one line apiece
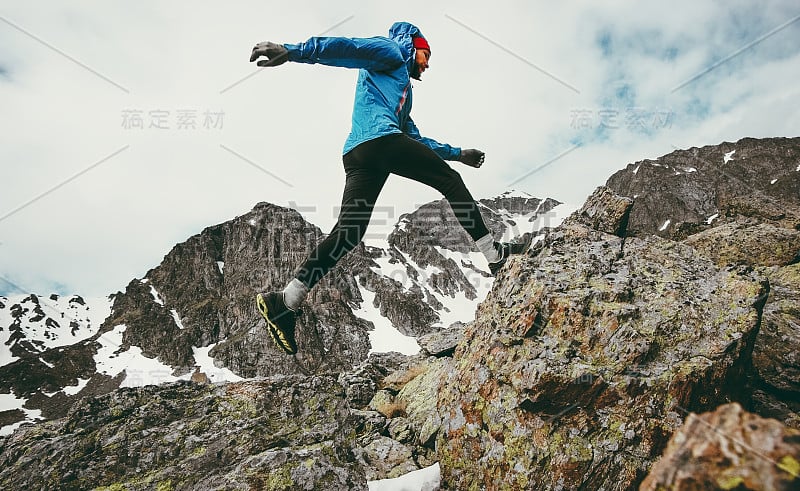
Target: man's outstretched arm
point(377, 53)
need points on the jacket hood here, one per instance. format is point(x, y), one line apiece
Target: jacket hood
point(402, 33)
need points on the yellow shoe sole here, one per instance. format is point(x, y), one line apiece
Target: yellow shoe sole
point(278, 336)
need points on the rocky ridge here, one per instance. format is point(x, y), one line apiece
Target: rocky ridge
point(689, 191)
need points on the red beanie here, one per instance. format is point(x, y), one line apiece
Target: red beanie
point(421, 43)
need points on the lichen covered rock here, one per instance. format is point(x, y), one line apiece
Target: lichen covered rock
point(748, 242)
point(280, 433)
point(729, 449)
point(604, 211)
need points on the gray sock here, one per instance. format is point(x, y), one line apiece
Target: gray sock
point(294, 294)
point(486, 246)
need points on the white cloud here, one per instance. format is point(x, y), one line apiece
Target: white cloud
point(117, 220)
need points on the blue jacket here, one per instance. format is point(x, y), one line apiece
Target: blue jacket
point(383, 91)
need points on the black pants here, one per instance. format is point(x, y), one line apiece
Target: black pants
point(367, 167)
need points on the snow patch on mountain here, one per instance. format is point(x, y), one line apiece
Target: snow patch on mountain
point(728, 157)
point(472, 264)
point(427, 478)
point(112, 359)
point(205, 364)
point(517, 224)
point(177, 318)
point(384, 337)
point(71, 390)
point(390, 267)
point(155, 294)
point(10, 402)
point(456, 308)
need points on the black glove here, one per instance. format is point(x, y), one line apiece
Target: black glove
point(276, 54)
point(472, 157)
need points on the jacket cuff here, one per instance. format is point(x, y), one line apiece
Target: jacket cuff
point(295, 51)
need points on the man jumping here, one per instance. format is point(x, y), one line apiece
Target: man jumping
point(383, 140)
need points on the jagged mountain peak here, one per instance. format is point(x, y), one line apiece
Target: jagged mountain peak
point(513, 193)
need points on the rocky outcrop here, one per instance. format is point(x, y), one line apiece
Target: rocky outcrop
point(729, 449)
point(588, 354)
point(280, 433)
point(605, 212)
point(407, 399)
point(443, 342)
point(363, 381)
point(748, 242)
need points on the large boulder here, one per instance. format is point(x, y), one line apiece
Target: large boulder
point(729, 449)
point(605, 211)
point(750, 242)
point(586, 357)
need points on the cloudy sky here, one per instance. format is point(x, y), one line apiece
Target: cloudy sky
point(129, 126)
